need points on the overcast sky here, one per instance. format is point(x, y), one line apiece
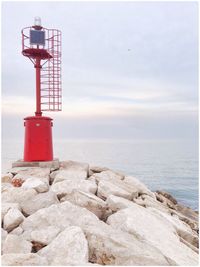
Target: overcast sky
point(130, 69)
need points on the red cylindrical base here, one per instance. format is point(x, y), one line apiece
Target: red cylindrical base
point(38, 139)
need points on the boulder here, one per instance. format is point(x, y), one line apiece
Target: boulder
point(97, 169)
point(159, 233)
point(106, 188)
point(39, 201)
point(16, 244)
point(3, 237)
point(66, 187)
point(108, 176)
point(17, 231)
point(109, 246)
point(74, 165)
point(6, 178)
point(68, 248)
point(28, 259)
point(117, 203)
point(31, 171)
point(17, 195)
point(12, 219)
point(36, 184)
point(88, 201)
point(59, 215)
point(106, 245)
point(135, 183)
point(62, 175)
point(44, 235)
point(5, 207)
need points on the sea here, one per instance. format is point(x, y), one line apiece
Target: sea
point(169, 165)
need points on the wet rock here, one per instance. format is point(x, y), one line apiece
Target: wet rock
point(12, 219)
point(68, 248)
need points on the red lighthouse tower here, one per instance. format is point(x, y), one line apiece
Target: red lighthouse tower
point(43, 47)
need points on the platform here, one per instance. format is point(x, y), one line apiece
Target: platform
point(41, 164)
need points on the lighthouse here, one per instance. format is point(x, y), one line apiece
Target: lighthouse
point(43, 47)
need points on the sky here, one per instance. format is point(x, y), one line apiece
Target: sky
point(129, 69)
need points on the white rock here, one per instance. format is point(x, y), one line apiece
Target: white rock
point(71, 174)
point(106, 245)
point(74, 165)
point(17, 195)
point(29, 259)
point(88, 201)
point(141, 188)
point(68, 248)
point(31, 171)
point(45, 235)
point(59, 215)
point(66, 187)
point(5, 207)
point(3, 237)
point(106, 188)
point(36, 184)
point(6, 178)
point(159, 233)
point(12, 219)
point(108, 176)
point(17, 231)
point(39, 201)
point(117, 203)
point(16, 244)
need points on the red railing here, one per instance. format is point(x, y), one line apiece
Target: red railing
point(50, 83)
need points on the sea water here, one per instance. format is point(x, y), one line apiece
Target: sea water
point(169, 165)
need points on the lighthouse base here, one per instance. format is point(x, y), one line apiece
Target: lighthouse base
point(38, 139)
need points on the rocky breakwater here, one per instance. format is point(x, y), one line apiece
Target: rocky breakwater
point(71, 213)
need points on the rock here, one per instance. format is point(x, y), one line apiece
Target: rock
point(5, 186)
point(70, 170)
point(68, 248)
point(12, 219)
point(159, 233)
point(17, 231)
point(117, 203)
point(108, 176)
point(106, 188)
point(59, 215)
point(147, 201)
point(31, 171)
point(168, 196)
point(45, 235)
point(108, 246)
point(3, 237)
point(97, 169)
point(88, 201)
point(29, 259)
point(16, 244)
point(135, 183)
point(182, 229)
point(6, 178)
point(63, 175)
point(187, 212)
point(36, 184)
point(39, 201)
point(17, 195)
point(66, 187)
point(5, 207)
